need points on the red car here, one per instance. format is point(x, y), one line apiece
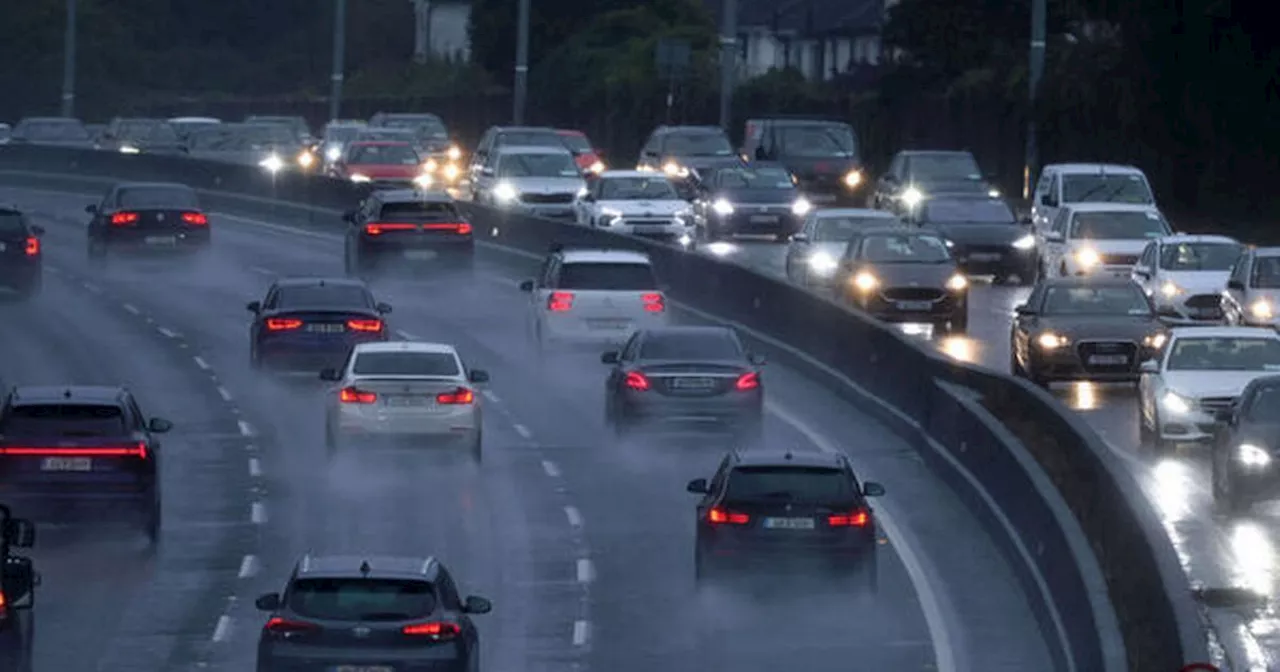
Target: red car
point(382, 164)
point(586, 156)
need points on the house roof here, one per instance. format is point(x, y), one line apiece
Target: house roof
point(808, 17)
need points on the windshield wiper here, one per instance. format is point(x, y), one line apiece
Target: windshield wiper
point(1084, 198)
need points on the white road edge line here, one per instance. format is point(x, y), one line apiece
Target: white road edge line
point(167, 332)
point(249, 566)
point(224, 393)
point(255, 468)
point(245, 428)
point(586, 570)
point(130, 308)
point(488, 394)
point(575, 518)
point(550, 467)
point(406, 335)
point(201, 363)
point(523, 431)
point(581, 630)
point(222, 631)
point(258, 513)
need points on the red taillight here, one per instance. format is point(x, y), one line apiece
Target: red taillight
point(133, 450)
point(283, 324)
point(355, 395)
point(722, 517)
point(460, 228)
point(654, 303)
point(284, 626)
point(377, 229)
point(636, 381)
point(855, 519)
point(560, 302)
point(124, 218)
point(433, 630)
point(33, 246)
point(195, 218)
point(364, 325)
point(459, 396)
point(747, 381)
point(4, 607)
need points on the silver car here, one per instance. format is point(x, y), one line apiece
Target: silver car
point(638, 203)
point(1253, 289)
point(540, 181)
point(813, 255)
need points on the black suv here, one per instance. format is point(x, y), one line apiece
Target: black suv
point(914, 176)
point(21, 253)
point(680, 151)
point(415, 227)
point(1246, 451)
point(822, 154)
point(17, 586)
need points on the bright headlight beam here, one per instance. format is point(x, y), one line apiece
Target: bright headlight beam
point(505, 193)
point(801, 207)
point(1051, 341)
point(1170, 290)
point(865, 281)
point(957, 282)
point(1261, 309)
point(912, 197)
point(1025, 243)
point(722, 207)
point(272, 163)
point(823, 263)
point(1088, 257)
point(1175, 403)
point(1252, 455)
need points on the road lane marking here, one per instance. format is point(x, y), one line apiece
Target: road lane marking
point(130, 308)
point(550, 467)
point(222, 631)
point(93, 289)
point(258, 513)
point(249, 566)
point(201, 363)
point(574, 516)
point(488, 394)
point(406, 335)
point(224, 393)
point(581, 630)
point(523, 431)
point(255, 468)
point(586, 571)
point(260, 270)
point(245, 428)
point(169, 333)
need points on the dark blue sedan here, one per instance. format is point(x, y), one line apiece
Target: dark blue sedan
point(311, 324)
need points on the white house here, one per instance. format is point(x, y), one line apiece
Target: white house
point(823, 39)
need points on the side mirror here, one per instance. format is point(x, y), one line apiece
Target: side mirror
point(526, 286)
point(383, 308)
point(609, 358)
point(1235, 284)
point(331, 375)
point(486, 171)
point(800, 237)
point(20, 580)
point(253, 306)
point(91, 209)
point(478, 376)
point(476, 605)
point(1024, 310)
point(872, 489)
point(20, 533)
point(37, 229)
point(756, 359)
point(1142, 272)
point(1054, 237)
point(268, 602)
point(1149, 366)
point(159, 425)
point(698, 486)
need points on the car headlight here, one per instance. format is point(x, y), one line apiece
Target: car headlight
point(358, 177)
point(306, 159)
point(957, 282)
point(853, 178)
point(674, 169)
point(1252, 455)
point(1155, 341)
point(1169, 290)
point(686, 216)
point(801, 207)
point(273, 163)
point(505, 193)
point(993, 193)
point(1175, 403)
point(912, 197)
point(865, 281)
point(451, 172)
point(597, 167)
point(1051, 341)
point(129, 149)
point(1261, 309)
point(333, 153)
point(1088, 257)
point(610, 213)
point(430, 166)
point(454, 153)
point(423, 181)
point(1025, 243)
point(722, 207)
point(823, 263)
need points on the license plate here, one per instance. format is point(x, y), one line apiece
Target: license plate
point(363, 668)
point(162, 240)
point(693, 383)
point(764, 219)
point(986, 256)
point(1108, 360)
point(915, 305)
point(67, 464)
point(406, 400)
point(788, 523)
point(608, 324)
point(326, 328)
point(419, 255)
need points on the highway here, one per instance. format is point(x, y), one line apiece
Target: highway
point(584, 546)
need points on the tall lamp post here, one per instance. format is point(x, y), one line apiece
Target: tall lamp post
point(728, 60)
point(1035, 72)
point(522, 65)
point(339, 55)
point(69, 62)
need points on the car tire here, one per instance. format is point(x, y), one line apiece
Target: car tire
point(1158, 443)
point(1015, 367)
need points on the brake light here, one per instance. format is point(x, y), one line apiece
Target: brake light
point(377, 229)
point(459, 396)
point(747, 381)
point(720, 516)
point(364, 325)
point(195, 218)
point(284, 626)
point(124, 218)
point(433, 630)
point(654, 303)
point(636, 381)
point(355, 395)
point(4, 607)
point(283, 324)
point(138, 450)
point(855, 519)
point(560, 302)
point(460, 228)
point(33, 246)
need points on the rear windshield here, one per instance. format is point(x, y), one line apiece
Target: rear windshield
point(11, 224)
point(332, 296)
point(690, 346)
point(406, 364)
point(416, 212)
point(840, 229)
point(813, 484)
point(385, 155)
point(576, 142)
point(529, 139)
point(606, 276)
point(362, 599)
point(64, 420)
point(157, 197)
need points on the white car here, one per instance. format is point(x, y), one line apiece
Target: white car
point(635, 202)
point(1253, 290)
point(408, 390)
point(814, 253)
point(1199, 372)
point(538, 181)
point(1185, 276)
point(594, 296)
point(1063, 184)
point(1099, 239)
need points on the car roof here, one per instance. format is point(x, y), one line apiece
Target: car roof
point(152, 185)
point(1195, 238)
point(629, 173)
point(1112, 207)
point(570, 131)
point(1102, 168)
point(1266, 252)
point(320, 282)
point(855, 212)
point(213, 120)
point(522, 129)
point(686, 329)
point(896, 230)
point(1224, 332)
point(406, 346)
point(936, 152)
point(67, 394)
point(589, 256)
point(770, 457)
point(380, 566)
point(412, 196)
point(380, 143)
point(531, 149)
point(1088, 281)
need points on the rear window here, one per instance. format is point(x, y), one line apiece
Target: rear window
point(417, 212)
point(157, 197)
point(690, 346)
point(11, 224)
point(69, 420)
point(606, 276)
point(530, 139)
point(406, 364)
point(362, 599)
point(340, 296)
point(812, 484)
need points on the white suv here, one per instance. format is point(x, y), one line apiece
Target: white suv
point(1103, 239)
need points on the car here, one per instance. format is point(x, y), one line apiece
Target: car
point(915, 175)
point(640, 204)
point(431, 133)
point(51, 131)
point(1064, 184)
point(760, 198)
point(1253, 289)
point(593, 296)
point(588, 158)
point(769, 510)
point(821, 153)
point(499, 137)
point(1201, 371)
point(1084, 328)
point(984, 235)
point(147, 217)
point(813, 254)
point(538, 181)
point(18, 582)
point(6, 132)
point(312, 323)
point(415, 227)
point(275, 144)
point(686, 377)
point(370, 613)
point(1246, 449)
point(1099, 239)
point(183, 126)
point(383, 165)
point(386, 134)
point(414, 391)
point(677, 151)
point(84, 451)
point(1185, 276)
point(297, 125)
point(140, 136)
point(21, 253)
point(335, 137)
point(906, 276)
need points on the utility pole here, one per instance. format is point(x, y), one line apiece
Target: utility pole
point(69, 62)
point(522, 64)
point(422, 30)
point(339, 55)
point(728, 60)
point(1035, 72)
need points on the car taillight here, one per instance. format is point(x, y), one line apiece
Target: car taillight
point(283, 324)
point(364, 325)
point(560, 302)
point(355, 395)
point(284, 626)
point(854, 519)
point(130, 450)
point(435, 630)
point(720, 516)
point(654, 303)
point(636, 381)
point(747, 381)
point(195, 218)
point(460, 228)
point(378, 228)
point(124, 218)
point(33, 246)
point(459, 396)
point(4, 607)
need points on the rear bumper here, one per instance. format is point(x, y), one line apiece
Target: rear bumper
point(744, 412)
point(158, 240)
point(748, 224)
point(579, 330)
point(409, 250)
point(307, 356)
point(455, 422)
point(293, 658)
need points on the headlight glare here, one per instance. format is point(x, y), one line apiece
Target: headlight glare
point(1175, 403)
point(423, 181)
point(1051, 341)
point(454, 153)
point(505, 193)
point(333, 153)
point(801, 207)
point(853, 178)
point(1155, 341)
point(451, 172)
point(912, 197)
point(1169, 290)
point(431, 166)
point(597, 167)
point(129, 149)
point(357, 177)
point(1088, 257)
point(1252, 455)
point(722, 207)
point(1025, 243)
point(1261, 309)
point(865, 281)
point(273, 163)
point(993, 193)
point(823, 263)
point(957, 282)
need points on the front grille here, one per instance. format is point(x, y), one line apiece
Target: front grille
point(1204, 301)
point(546, 198)
point(1212, 405)
point(647, 222)
point(1119, 259)
point(762, 209)
point(1090, 351)
point(913, 294)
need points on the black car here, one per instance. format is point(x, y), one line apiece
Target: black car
point(822, 154)
point(21, 253)
point(906, 276)
point(52, 131)
point(147, 217)
point(18, 582)
point(312, 323)
point(141, 136)
point(376, 613)
point(684, 377)
point(765, 510)
point(1246, 450)
point(1084, 328)
point(84, 451)
point(914, 176)
point(416, 227)
point(757, 198)
point(677, 151)
point(984, 235)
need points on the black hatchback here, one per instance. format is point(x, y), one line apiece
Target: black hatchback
point(417, 229)
point(21, 253)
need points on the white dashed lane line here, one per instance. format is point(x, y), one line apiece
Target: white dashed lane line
point(222, 392)
point(222, 631)
point(258, 513)
point(488, 394)
point(201, 363)
point(167, 333)
point(262, 271)
point(581, 630)
point(406, 335)
point(249, 566)
point(245, 428)
point(550, 467)
point(255, 468)
point(523, 431)
point(93, 289)
point(586, 570)
point(130, 308)
point(574, 516)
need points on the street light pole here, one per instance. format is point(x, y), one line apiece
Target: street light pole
point(1035, 72)
point(339, 55)
point(522, 64)
point(69, 62)
point(728, 60)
